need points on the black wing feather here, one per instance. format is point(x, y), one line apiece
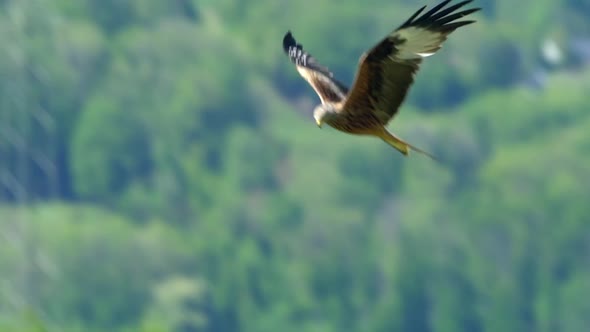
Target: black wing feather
point(437, 19)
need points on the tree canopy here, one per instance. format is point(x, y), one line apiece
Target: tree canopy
point(160, 170)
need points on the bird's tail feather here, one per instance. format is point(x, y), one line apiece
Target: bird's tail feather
point(403, 146)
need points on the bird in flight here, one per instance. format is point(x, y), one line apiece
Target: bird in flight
point(384, 74)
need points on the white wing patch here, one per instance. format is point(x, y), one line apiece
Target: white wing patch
point(424, 55)
point(307, 75)
point(418, 43)
point(322, 84)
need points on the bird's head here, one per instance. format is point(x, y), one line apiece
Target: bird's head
point(323, 112)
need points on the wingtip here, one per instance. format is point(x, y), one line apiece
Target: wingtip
point(441, 16)
point(288, 41)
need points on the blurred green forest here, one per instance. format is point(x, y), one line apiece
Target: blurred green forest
point(160, 170)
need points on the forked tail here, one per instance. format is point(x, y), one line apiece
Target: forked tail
point(402, 146)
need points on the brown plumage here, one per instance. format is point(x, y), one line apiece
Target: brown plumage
point(384, 75)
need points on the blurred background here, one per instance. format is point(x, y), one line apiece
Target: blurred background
point(160, 170)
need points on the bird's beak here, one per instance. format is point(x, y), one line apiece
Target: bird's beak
point(319, 123)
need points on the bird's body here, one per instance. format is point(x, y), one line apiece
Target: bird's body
point(384, 76)
point(358, 123)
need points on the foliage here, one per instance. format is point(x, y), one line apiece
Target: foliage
point(160, 171)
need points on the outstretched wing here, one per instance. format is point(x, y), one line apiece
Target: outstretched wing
point(320, 78)
point(387, 71)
